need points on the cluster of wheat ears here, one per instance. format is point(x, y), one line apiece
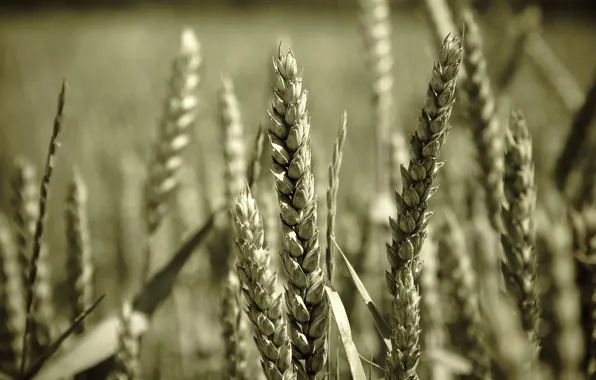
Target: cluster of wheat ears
point(497, 288)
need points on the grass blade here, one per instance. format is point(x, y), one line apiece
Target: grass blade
point(380, 322)
point(343, 326)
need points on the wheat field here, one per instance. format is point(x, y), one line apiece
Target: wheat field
point(249, 151)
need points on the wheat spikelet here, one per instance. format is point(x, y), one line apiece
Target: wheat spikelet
point(233, 330)
point(126, 366)
point(561, 309)
point(24, 204)
point(79, 259)
point(39, 227)
point(12, 301)
point(264, 303)
point(332, 189)
point(174, 132)
point(289, 136)
point(456, 264)
point(375, 18)
point(518, 238)
point(485, 125)
point(409, 230)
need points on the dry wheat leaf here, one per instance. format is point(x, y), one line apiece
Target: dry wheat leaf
point(343, 326)
point(380, 322)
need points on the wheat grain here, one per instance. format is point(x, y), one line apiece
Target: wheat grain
point(518, 239)
point(264, 303)
point(486, 129)
point(289, 135)
point(409, 230)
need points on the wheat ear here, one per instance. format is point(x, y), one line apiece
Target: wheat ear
point(409, 230)
point(12, 300)
point(233, 330)
point(457, 267)
point(126, 366)
point(561, 311)
point(264, 303)
point(486, 128)
point(375, 18)
point(24, 204)
point(289, 136)
point(179, 115)
point(43, 200)
point(518, 238)
point(79, 259)
point(332, 189)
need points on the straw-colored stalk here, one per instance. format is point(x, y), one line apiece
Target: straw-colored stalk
point(409, 229)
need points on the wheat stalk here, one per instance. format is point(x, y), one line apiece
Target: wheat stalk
point(518, 238)
point(409, 230)
point(485, 125)
point(253, 173)
point(264, 303)
point(289, 135)
point(332, 189)
point(39, 227)
point(79, 259)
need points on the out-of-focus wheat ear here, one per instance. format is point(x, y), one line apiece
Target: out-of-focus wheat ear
point(332, 189)
point(432, 322)
point(267, 201)
point(399, 154)
point(258, 283)
point(233, 330)
point(12, 300)
point(457, 267)
point(519, 263)
point(178, 117)
point(578, 140)
point(39, 226)
point(43, 329)
point(486, 129)
point(289, 136)
point(375, 18)
point(25, 206)
point(79, 264)
point(409, 229)
point(253, 172)
point(126, 363)
point(564, 342)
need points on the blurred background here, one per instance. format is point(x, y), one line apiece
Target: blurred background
point(116, 56)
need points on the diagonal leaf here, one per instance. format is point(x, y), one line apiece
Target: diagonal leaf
point(101, 341)
point(380, 322)
point(343, 326)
